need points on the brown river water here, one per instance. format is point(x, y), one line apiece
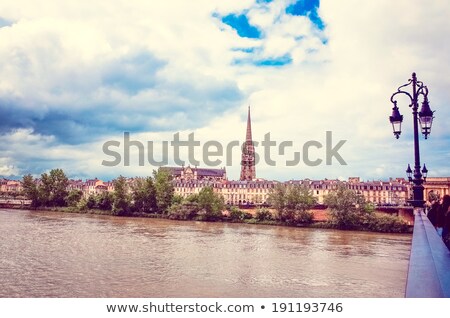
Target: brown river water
point(50, 254)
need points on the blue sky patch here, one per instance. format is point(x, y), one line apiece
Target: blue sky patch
point(246, 49)
point(267, 62)
point(307, 8)
point(242, 26)
point(5, 23)
point(276, 61)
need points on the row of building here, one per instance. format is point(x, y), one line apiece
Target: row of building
point(188, 181)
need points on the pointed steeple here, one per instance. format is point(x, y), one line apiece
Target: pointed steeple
point(249, 127)
point(248, 154)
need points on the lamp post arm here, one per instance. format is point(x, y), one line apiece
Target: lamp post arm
point(402, 92)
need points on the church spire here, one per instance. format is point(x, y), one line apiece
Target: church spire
point(249, 127)
point(248, 153)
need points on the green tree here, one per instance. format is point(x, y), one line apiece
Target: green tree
point(121, 203)
point(53, 188)
point(347, 209)
point(144, 195)
point(277, 199)
point(105, 201)
point(211, 203)
point(164, 189)
point(177, 199)
point(186, 210)
point(91, 202)
point(238, 215)
point(263, 214)
point(73, 197)
point(192, 198)
point(300, 198)
point(293, 203)
point(30, 190)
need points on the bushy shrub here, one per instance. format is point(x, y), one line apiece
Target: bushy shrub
point(292, 216)
point(263, 215)
point(303, 216)
point(347, 210)
point(238, 215)
point(82, 205)
point(91, 202)
point(385, 223)
point(184, 211)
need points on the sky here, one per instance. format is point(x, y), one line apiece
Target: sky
point(78, 74)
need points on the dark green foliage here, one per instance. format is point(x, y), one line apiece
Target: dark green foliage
point(177, 199)
point(192, 198)
point(211, 204)
point(144, 195)
point(304, 216)
point(53, 188)
point(385, 223)
point(184, 211)
point(348, 210)
point(293, 203)
point(121, 203)
point(91, 202)
point(82, 205)
point(239, 215)
point(277, 198)
point(263, 215)
point(73, 197)
point(30, 190)
point(164, 189)
point(105, 201)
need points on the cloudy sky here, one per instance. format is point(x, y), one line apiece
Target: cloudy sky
point(76, 74)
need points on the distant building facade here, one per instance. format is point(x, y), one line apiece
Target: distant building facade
point(440, 186)
point(188, 174)
point(10, 186)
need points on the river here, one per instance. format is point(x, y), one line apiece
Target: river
point(52, 254)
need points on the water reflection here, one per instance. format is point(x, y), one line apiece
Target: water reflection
point(69, 255)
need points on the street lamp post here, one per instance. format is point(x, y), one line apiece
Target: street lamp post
point(425, 118)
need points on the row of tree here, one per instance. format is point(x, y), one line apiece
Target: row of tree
point(147, 195)
point(293, 203)
point(346, 209)
point(50, 191)
point(155, 195)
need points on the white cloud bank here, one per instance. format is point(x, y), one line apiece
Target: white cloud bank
point(57, 57)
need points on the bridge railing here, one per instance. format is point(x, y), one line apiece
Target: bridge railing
point(429, 264)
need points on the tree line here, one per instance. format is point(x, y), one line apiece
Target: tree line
point(142, 196)
point(151, 194)
point(347, 209)
point(155, 195)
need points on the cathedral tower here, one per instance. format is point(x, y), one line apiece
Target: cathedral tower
point(248, 154)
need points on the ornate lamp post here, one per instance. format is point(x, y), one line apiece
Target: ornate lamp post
point(425, 118)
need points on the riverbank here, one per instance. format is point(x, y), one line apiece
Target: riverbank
point(378, 222)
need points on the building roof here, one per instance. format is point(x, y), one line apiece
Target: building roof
point(201, 172)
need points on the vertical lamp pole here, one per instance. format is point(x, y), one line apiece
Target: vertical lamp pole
point(425, 118)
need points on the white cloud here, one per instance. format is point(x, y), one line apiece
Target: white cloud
point(57, 53)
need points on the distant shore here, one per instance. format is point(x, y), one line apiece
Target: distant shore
point(317, 224)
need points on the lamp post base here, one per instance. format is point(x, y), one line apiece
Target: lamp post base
point(416, 203)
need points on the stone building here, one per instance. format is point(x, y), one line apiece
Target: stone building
point(187, 174)
point(440, 186)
